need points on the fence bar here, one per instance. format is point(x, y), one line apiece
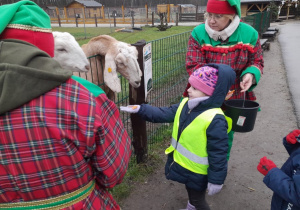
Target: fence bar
point(137, 96)
point(95, 20)
point(152, 18)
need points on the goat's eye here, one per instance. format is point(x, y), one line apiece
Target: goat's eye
point(62, 50)
point(120, 64)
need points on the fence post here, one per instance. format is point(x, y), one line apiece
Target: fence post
point(180, 12)
point(132, 19)
point(177, 18)
point(59, 23)
point(196, 18)
point(146, 6)
point(76, 21)
point(115, 24)
point(58, 18)
point(261, 24)
point(123, 13)
point(103, 14)
point(66, 14)
point(95, 20)
point(288, 11)
point(169, 13)
point(137, 96)
point(152, 18)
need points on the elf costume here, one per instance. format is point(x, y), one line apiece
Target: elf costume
point(62, 142)
point(238, 46)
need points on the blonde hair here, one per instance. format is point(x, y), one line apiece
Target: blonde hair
point(229, 16)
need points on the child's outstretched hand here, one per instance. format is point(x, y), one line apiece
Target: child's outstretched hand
point(265, 165)
point(130, 108)
point(213, 188)
point(292, 137)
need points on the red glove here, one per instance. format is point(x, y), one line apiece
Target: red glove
point(265, 165)
point(291, 138)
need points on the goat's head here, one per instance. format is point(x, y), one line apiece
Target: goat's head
point(68, 52)
point(127, 65)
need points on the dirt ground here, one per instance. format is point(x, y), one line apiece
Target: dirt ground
point(243, 188)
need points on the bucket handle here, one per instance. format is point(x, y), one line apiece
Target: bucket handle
point(244, 99)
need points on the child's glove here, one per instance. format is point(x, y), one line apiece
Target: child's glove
point(213, 188)
point(292, 137)
point(130, 108)
point(265, 165)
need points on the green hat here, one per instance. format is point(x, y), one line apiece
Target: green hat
point(25, 20)
point(237, 5)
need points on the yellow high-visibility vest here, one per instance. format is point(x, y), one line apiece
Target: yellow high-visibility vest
point(190, 150)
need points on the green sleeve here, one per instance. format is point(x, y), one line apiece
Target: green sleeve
point(256, 73)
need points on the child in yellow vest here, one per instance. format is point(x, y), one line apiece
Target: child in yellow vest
point(197, 156)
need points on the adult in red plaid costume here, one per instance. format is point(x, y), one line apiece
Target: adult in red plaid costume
point(62, 142)
point(223, 38)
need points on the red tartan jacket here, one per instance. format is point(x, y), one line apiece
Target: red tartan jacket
point(242, 52)
point(59, 142)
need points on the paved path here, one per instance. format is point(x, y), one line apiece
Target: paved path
point(289, 39)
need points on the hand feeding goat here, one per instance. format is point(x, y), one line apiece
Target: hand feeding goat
point(68, 53)
point(116, 56)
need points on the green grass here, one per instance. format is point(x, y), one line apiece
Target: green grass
point(147, 33)
point(138, 173)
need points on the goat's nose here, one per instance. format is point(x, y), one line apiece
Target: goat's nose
point(137, 82)
point(87, 67)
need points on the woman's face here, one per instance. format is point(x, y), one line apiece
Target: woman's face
point(217, 22)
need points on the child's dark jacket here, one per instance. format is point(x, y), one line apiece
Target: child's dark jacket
point(285, 182)
point(217, 138)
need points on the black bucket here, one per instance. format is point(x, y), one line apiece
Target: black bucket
point(243, 114)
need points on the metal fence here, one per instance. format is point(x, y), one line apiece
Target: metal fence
point(259, 21)
point(169, 77)
point(169, 81)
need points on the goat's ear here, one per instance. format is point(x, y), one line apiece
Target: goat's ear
point(121, 59)
point(110, 73)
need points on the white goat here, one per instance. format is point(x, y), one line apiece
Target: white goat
point(68, 52)
point(116, 57)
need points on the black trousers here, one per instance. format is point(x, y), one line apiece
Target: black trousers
point(197, 199)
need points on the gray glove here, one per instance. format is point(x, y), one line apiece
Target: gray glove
point(213, 188)
point(130, 108)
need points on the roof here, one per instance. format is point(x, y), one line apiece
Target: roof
point(258, 1)
point(186, 5)
point(51, 7)
point(87, 3)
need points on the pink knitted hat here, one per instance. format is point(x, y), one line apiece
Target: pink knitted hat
point(204, 79)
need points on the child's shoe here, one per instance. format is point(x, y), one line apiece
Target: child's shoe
point(189, 207)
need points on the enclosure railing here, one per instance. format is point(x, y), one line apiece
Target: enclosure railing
point(260, 21)
point(169, 81)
